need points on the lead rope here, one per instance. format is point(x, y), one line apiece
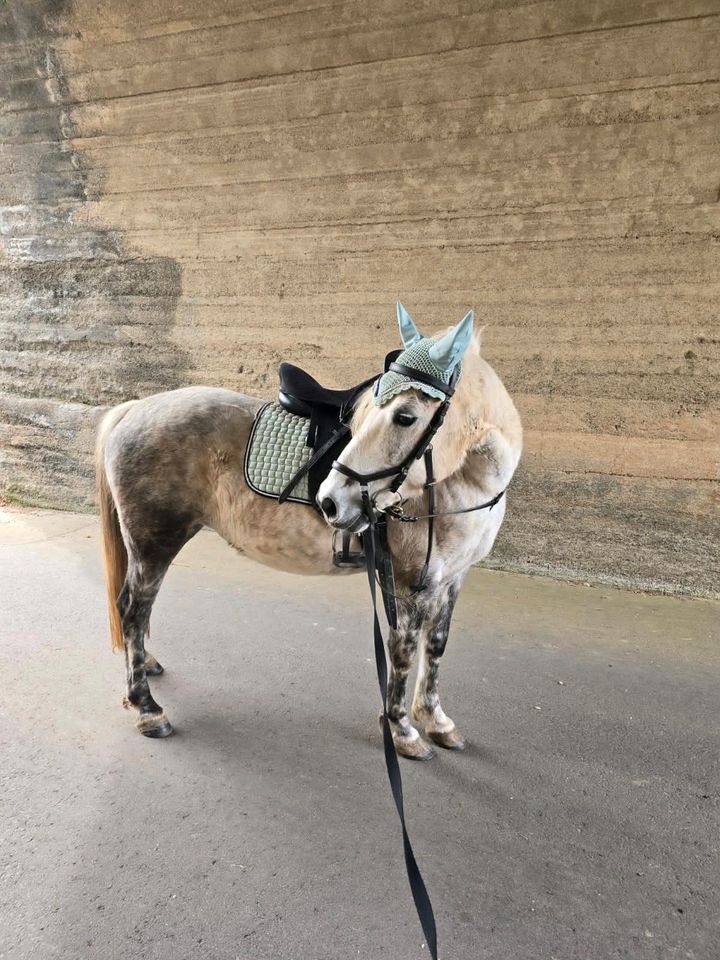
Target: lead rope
point(418, 889)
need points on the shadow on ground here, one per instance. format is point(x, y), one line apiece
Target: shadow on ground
point(581, 822)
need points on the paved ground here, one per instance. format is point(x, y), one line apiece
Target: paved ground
point(582, 822)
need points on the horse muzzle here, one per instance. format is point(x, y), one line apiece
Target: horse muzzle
point(342, 517)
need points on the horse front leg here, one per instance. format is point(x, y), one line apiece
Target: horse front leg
point(426, 707)
point(402, 646)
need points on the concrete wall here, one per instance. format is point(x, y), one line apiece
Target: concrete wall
point(191, 192)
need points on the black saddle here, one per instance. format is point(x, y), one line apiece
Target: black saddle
point(301, 394)
point(329, 413)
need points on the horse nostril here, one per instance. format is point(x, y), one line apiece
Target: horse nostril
point(328, 507)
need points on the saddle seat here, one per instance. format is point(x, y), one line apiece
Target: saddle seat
point(301, 394)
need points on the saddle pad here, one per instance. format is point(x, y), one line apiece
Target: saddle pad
point(276, 450)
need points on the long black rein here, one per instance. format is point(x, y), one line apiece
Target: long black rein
point(378, 560)
point(418, 889)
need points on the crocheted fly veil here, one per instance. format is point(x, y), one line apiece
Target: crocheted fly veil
point(437, 356)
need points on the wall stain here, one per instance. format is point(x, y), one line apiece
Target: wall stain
point(77, 308)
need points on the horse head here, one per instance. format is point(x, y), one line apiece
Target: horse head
point(404, 407)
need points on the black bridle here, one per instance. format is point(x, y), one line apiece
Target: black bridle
point(421, 450)
point(401, 470)
point(378, 562)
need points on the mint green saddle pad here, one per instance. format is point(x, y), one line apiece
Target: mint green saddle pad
point(276, 450)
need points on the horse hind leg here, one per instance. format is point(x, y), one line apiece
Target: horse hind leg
point(149, 557)
point(135, 603)
point(153, 667)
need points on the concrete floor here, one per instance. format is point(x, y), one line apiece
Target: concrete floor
point(581, 822)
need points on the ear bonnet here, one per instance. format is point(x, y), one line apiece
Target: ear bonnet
point(436, 357)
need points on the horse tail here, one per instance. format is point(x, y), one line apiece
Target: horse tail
point(114, 552)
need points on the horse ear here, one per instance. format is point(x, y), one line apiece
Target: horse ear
point(408, 331)
point(447, 352)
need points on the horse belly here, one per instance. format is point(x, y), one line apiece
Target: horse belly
point(286, 536)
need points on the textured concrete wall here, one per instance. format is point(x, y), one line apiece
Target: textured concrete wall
point(191, 192)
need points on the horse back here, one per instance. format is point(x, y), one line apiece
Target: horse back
point(175, 463)
point(167, 449)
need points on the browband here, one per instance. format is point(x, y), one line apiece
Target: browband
point(412, 374)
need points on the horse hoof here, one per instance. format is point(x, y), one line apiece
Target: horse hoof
point(415, 749)
point(449, 740)
point(155, 725)
point(152, 667)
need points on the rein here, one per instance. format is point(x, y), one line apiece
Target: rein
point(378, 562)
point(423, 906)
point(397, 513)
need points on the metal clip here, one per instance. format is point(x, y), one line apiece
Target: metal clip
point(386, 500)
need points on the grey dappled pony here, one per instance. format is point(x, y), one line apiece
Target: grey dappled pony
point(171, 463)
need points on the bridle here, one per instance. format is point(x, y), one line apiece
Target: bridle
point(399, 472)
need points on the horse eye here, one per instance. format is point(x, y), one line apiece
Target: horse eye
point(403, 419)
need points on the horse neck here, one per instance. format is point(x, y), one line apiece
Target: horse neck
point(491, 455)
